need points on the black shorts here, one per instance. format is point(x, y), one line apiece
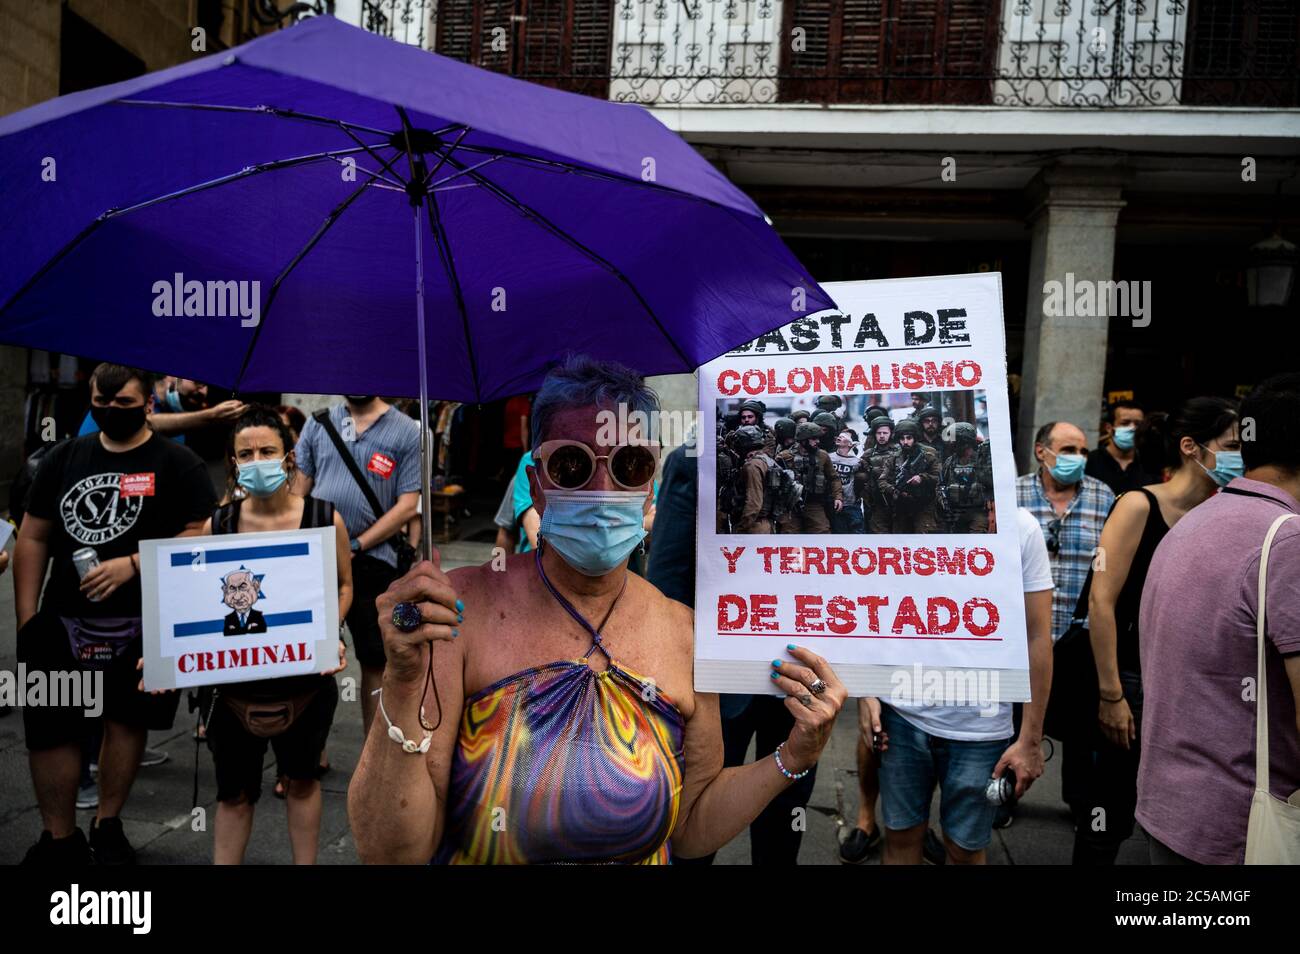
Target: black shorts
point(370, 578)
point(43, 647)
point(238, 754)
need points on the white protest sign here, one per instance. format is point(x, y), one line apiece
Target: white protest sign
point(928, 605)
point(238, 607)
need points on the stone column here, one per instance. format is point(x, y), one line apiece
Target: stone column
point(1075, 206)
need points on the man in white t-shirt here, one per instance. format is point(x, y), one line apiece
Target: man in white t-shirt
point(960, 748)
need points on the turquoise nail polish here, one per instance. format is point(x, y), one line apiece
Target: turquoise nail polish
point(460, 617)
point(773, 675)
point(792, 646)
point(776, 663)
point(455, 633)
point(460, 606)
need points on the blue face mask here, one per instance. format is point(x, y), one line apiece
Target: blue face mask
point(1068, 468)
point(261, 478)
point(1227, 465)
point(173, 400)
point(1124, 436)
point(593, 530)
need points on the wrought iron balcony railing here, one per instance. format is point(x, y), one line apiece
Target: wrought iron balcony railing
point(1025, 53)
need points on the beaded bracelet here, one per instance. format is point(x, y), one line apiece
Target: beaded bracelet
point(793, 776)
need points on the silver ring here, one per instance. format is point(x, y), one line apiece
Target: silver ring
point(818, 687)
point(807, 700)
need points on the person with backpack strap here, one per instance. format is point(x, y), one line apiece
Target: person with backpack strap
point(293, 713)
point(363, 456)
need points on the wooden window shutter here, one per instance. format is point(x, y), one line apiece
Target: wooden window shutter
point(560, 43)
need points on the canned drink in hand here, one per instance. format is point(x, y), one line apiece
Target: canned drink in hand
point(1001, 790)
point(85, 560)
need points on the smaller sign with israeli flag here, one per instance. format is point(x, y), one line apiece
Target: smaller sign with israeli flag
point(239, 607)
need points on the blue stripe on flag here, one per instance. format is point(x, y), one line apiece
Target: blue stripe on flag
point(239, 554)
point(205, 627)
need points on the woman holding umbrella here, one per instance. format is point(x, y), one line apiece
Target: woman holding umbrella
point(568, 730)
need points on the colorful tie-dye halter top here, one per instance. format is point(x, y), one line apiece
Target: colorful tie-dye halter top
point(562, 764)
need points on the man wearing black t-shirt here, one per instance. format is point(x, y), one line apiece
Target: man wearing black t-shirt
point(107, 491)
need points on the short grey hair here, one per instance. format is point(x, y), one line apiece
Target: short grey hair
point(582, 381)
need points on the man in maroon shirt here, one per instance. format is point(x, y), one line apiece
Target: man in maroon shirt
point(1198, 620)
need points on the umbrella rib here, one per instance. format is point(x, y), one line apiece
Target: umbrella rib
point(432, 186)
point(449, 266)
point(589, 173)
point(189, 190)
point(270, 110)
point(442, 157)
point(531, 213)
point(335, 214)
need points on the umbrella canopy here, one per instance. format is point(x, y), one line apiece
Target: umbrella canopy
point(251, 219)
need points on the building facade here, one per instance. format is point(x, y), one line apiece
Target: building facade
point(1137, 153)
point(1128, 166)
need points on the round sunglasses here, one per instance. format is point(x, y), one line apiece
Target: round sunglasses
point(571, 465)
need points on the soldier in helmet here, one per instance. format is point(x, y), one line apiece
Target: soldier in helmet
point(966, 482)
point(727, 465)
point(783, 428)
point(914, 475)
point(751, 415)
point(753, 500)
point(799, 416)
point(815, 473)
point(830, 403)
point(830, 425)
point(931, 436)
point(877, 461)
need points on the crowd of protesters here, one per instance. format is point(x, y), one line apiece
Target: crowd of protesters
point(1140, 562)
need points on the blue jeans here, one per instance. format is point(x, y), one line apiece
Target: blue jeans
point(916, 761)
point(848, 520)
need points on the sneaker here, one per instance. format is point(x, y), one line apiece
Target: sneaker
point(88, 796)
point(152, 757)
point(855, 849)
point(933, 850)
point(108, 843)
point(67, 852)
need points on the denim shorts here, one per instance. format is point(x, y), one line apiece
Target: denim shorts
point(916, 761)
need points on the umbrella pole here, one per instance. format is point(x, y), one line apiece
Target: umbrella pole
point(426, 442)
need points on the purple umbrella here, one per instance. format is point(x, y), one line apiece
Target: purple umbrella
point(246, 220)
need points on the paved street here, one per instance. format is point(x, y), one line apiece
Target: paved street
point(158, 818)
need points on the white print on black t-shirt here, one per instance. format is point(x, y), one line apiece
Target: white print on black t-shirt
point(94, 510)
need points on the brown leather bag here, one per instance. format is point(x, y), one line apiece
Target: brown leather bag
point(268, 719)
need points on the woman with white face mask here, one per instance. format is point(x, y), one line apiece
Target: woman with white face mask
point(1201, 448)
point(566, 726)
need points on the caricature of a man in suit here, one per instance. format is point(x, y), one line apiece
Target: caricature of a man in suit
point(240, 589)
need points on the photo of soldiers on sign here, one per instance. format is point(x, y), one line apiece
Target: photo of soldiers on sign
point(869, 463)
point(882, 424)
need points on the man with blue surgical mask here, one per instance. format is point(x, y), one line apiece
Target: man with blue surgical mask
point(1117, 463)
point(1070, 507)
